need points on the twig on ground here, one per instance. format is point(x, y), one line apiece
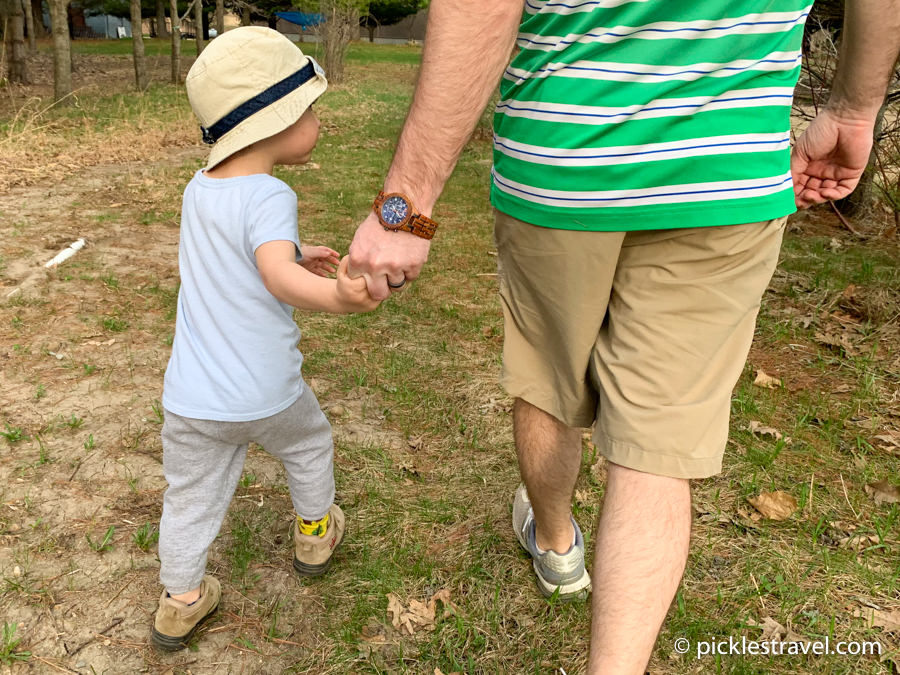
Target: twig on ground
point(847, 498)
point(115, 622)
point(845, 221)
point(119, 592)
point(61, 669)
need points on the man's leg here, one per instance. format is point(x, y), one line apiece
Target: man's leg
point(639, 557)
point(549, 455)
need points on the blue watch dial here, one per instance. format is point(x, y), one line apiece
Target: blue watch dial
point(395, 210)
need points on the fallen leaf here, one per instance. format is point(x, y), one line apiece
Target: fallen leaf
point(804, 321)
point(418, 615)
point(858, 542)
point(890, 621)
point(892, 659)
point(771, 629)
point(841, 340)
point(776, 505)
point(757, 428)
point(889, 442)
point(883, 492)
point(766, 381)
point(106, 343)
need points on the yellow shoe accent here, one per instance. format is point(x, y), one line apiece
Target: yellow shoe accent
point(316, 527)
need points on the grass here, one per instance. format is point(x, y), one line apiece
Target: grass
point(425, 464)
point(9, 653)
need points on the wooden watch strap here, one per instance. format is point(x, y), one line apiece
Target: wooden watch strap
point(421, 226)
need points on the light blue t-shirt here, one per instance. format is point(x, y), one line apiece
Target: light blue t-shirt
point(235, 355)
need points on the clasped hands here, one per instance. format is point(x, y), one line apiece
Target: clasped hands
point(380, 262)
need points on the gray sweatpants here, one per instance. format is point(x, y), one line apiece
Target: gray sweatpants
point(202, 462)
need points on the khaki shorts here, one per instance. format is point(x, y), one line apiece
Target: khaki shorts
point(641, 334)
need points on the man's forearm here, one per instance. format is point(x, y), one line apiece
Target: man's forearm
point(467, 47)
point(869, 50)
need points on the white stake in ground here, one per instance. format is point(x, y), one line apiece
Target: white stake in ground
point(65, 254)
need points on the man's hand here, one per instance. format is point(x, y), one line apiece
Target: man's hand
point(383, 256)
point(320, 260)
point(829, 157)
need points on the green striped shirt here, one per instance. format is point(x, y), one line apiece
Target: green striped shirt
point(648, 114)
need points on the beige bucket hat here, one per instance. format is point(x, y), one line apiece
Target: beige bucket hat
point(248, 84)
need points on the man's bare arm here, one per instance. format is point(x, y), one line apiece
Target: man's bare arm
point(831, 155)
point(468, 44)
point(467, 47)
point(869, 50)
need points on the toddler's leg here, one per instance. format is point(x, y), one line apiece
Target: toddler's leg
point(202, 469)
point(300, 437)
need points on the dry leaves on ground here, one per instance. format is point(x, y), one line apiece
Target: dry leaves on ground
point(776, 505)
point(772, 630)
point(876, 618)
point(766, 381)
point(889, 441)
point(884, 492)
point(758, 429)
point(418, 615)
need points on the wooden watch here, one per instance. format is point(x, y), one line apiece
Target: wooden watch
point(395, 212)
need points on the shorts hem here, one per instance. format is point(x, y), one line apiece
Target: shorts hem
point(632, 457)
point(548, 404)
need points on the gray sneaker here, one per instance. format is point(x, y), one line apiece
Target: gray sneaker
point(565, 572)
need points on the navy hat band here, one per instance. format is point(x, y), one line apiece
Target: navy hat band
point(277, 91)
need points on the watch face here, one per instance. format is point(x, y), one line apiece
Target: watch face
point(395, 210)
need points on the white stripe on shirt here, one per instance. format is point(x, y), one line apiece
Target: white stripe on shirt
point(663, 194)
point(572, 6)
point(649, 152)
point(663, 107)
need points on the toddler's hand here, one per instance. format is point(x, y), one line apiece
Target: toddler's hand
point(353, 293)
point(319, 260)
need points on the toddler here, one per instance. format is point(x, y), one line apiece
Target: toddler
point(234, 374)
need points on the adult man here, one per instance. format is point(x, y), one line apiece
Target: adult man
point(641, 182)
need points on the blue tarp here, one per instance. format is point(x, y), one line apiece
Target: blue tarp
point(303, 19)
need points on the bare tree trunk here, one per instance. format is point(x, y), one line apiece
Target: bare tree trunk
point(176, 42)
point(29, 26)
point(137, 47)
point(62, 51)
point(14, 40)
point(341, 26)
point(245, 16)
point(198, 25)
point(37, 11)
point(161, 30)
point(220, 16)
